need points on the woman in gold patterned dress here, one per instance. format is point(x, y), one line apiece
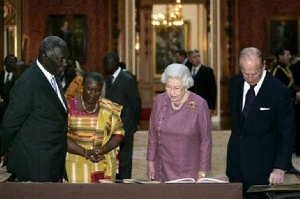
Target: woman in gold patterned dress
point(72, 83)
point(94, 123)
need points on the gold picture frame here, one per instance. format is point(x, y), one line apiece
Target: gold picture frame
point(283, 32)
point(166, 41)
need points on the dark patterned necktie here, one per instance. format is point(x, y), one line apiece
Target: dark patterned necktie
point(250, 96)
point(108, 83)
point(194, 73)
point(7, 78)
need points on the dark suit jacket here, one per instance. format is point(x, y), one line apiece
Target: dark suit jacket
point(35, 127)
point(3, 92)
point(205, 86)
point(189, 65)
point(124, 91)
point(264, 140)
point(2, 73)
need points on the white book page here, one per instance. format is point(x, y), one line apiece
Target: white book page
point(211, 180)
point(182, 180)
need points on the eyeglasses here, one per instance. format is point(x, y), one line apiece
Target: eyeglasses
point(176, 89)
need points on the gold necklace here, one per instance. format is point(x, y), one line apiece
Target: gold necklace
point(176, 108)
point(85, 109)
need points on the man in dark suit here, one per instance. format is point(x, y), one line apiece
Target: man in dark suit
point(34, 125)
point(5, 76)
point(263, 125)
point(181, 57)
point(204, 80)
point(121, 88)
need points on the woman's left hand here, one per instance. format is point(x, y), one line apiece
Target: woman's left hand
point(93, 156)
point(201, 174)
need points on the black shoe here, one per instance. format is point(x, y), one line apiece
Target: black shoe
point(293, 171)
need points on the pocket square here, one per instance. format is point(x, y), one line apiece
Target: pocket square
point(264, 109)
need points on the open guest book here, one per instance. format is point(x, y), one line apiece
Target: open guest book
point(202, 180)
point(135, 181)
point(140, 181)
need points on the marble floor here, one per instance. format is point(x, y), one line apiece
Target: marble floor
point(220, 139)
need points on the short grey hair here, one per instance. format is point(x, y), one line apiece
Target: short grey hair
point(180, 72)
point(252, 53)
point(51, 42)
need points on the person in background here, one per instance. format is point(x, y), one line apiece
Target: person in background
point(188, 62)
point(19, 69)
point(124, 68)
point(122, 89)
point(181, 57)
point(34, 125)
point(204, 80)
point(5, 76)
point(179, 149)
point(282, 71)
point(94, 123)
point(295, 69)
point(263, 125)
point(71, 82)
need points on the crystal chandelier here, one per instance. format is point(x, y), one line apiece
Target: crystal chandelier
point(172, 17)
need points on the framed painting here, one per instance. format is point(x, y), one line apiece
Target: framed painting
point(166, 41)
point(72, 29)
point(283, 32)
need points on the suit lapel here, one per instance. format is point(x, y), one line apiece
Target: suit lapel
point(199, 73)
point(117, 80)
point(239, 101)
point(61, 90)
point(49, 91)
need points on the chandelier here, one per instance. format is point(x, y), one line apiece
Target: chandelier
point(172, 17)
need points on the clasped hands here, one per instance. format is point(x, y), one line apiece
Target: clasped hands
point(94, 155)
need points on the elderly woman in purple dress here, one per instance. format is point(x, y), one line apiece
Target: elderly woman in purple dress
point(180, 141)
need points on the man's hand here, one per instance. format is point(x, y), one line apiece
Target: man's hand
point(297, 97)
point(276, 177)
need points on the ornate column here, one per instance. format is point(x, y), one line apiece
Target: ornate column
point(145, 66)
point(215, 58)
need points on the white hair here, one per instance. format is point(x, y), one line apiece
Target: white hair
point(180, 72)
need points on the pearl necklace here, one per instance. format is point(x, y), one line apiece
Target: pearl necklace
point(176, 108)
point(85, 109)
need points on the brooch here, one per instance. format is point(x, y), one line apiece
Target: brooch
point(192, 105)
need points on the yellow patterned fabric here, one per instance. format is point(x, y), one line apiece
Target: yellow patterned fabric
point(93, 131)
point(74, 89)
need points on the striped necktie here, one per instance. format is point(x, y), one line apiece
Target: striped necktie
point(53, 84)
point(194, 73)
